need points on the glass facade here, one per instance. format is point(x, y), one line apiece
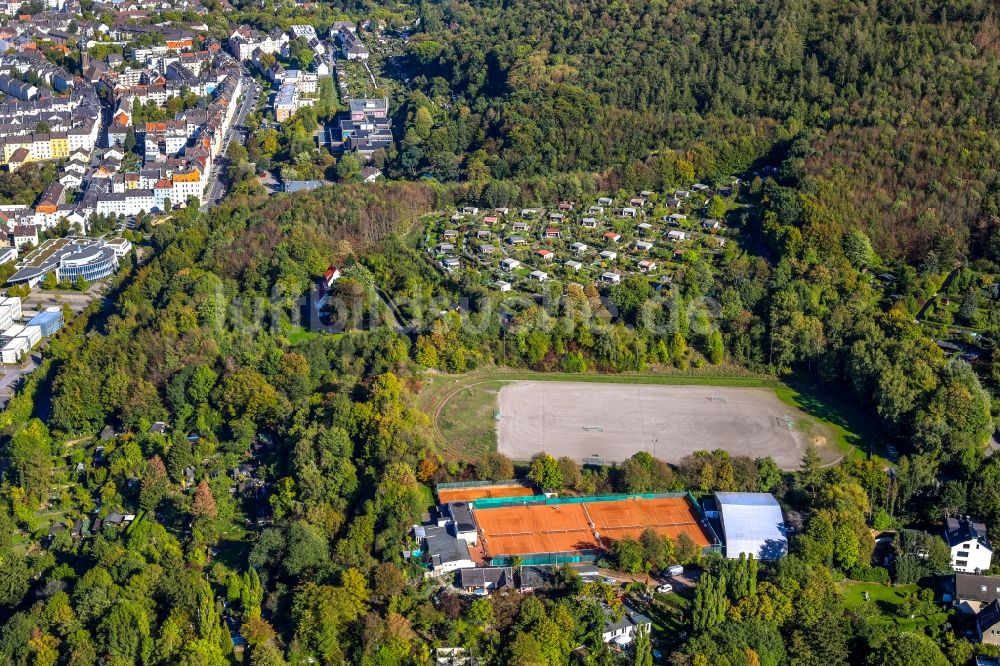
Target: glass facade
point(103, 265)
point(69, 258)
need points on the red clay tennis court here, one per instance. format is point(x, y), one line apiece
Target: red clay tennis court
point(446, 495)
point(555, 528)
point(552, 528)
point(668, 516)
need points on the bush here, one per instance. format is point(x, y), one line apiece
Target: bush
point(882, 520)
point(869, 574)
point(573, 362)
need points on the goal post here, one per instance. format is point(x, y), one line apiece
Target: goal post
point(786, 422)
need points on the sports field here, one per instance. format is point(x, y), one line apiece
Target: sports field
point(557, 528)
point(469, 494)
point(613, 421)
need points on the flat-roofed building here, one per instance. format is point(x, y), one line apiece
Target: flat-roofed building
point(68, 258)
point(752, 524)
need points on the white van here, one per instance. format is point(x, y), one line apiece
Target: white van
point(675, 570)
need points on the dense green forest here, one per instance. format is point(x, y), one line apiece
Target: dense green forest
point(274, 471)
point(888, 110)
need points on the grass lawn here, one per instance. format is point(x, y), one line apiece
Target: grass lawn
point(854, 593)
point(48, 518)
point(886, 599)
point(670, 614)
point(233, 547)
point(437, 385)
point(297, 335)
point(853, 432)
point(467, 419)
point(21, 543)
point(426, 497)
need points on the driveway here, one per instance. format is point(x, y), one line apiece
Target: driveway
point(12, 374)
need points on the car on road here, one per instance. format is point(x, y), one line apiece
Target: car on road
point(665, 588)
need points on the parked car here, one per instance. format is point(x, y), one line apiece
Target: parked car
point(665, 588)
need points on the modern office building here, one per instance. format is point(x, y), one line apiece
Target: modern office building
point(69, 258)
point(48, 322)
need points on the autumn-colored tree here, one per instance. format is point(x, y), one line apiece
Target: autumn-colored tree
point(427, 468)
point(203, 505)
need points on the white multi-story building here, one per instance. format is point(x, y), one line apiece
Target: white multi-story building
point(971, 552)
point(245, 40)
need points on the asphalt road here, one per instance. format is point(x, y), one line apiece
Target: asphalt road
point(216, 188)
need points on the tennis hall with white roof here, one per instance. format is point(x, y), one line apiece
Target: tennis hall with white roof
point(752, 524)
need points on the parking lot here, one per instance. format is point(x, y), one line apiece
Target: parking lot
point(77, 300)
point(12, 374)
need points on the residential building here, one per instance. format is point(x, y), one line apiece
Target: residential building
point(443, 552)
point(460, 520)
point(621, 630)
point(484, 578)
point(285, 102)
point(245, 40)
point(375, 108)
point(971, 552)
point(988, 623)
point(972, 592)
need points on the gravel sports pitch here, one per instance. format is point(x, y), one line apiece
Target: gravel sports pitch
point(613, 421)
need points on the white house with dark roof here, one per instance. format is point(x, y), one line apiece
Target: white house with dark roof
point(442, 551)
point(623, 631)
point(971, 551)
point(485, 578)
point(462, 522)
